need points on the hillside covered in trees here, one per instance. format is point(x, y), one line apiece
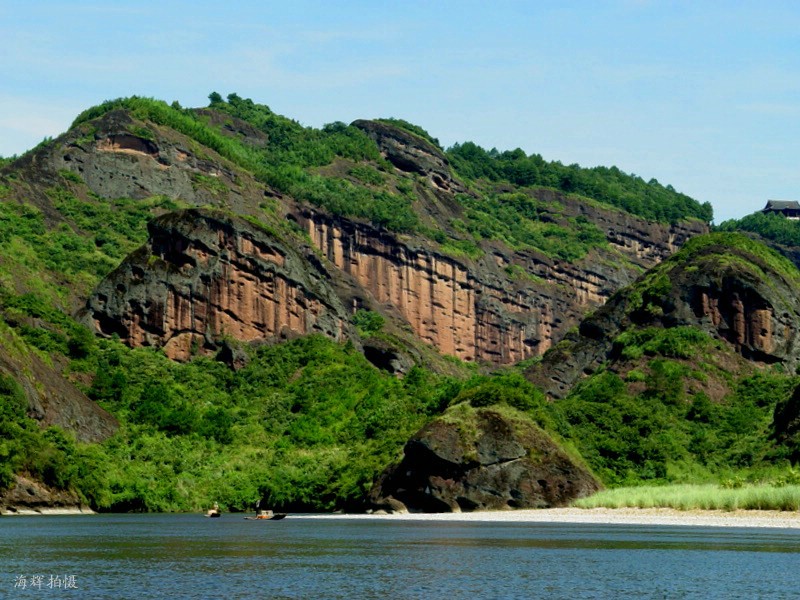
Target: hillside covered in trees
point(222, 304)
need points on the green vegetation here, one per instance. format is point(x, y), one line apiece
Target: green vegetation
point(367, 322)
point(698, 497)
point(675, 342)
point(760, 257)
point(770, 226)
point(76, 252)
point(285, 162)
point(509, 388)
point(306, 425)
point(211, 184)
point(411, 128)
point(291, 154)
point(49, 455)
point(734, 252)
point(658, 423)
point(515, 218)
point(367, 174)
point(650, 200)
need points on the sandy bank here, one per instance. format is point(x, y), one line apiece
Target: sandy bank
point(65, 510)
point(612, 516)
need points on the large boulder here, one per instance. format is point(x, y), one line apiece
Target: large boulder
point(481, 459)
point(28, 496)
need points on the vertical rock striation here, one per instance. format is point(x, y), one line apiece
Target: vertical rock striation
point(723, 284)
point(477, 310)
point(204, 276)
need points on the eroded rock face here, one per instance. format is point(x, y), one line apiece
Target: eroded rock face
point(203, 276)
point(732, 295)
point(27, 496)
point(482, 460)
point(742, 300)
point(501, 308)
point(125, 158)
point(411, 153)
point(477, 310)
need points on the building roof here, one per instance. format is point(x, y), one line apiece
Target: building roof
point(782, 205)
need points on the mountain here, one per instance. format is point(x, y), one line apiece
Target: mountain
point(245, 308)
point(690, 368)
point(400, 233)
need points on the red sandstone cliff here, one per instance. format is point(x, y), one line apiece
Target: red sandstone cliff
point(205, 276)
point(198, 280)
point(726, 286)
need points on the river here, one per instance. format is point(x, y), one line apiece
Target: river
point(188, 556)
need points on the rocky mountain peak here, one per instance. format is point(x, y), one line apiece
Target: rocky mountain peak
point(411, 153)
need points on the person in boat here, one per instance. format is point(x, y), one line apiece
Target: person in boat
point(214, 510)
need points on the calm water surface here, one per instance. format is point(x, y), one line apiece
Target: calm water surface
point(188, 556)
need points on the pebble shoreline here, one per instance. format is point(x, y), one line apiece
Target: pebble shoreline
point(606, 516)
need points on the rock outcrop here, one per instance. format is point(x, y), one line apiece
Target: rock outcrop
point(122, 157)
point(729, 286)
point(478, 310)
point(411, 153)
point(481, 459)
point(51, 398)
point(204, 276)
point(29, 497)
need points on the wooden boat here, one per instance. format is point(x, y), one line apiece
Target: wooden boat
point(267, 515)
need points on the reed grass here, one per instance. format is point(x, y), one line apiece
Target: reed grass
point(698, 497)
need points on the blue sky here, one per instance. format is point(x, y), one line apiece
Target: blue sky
point(704, 96)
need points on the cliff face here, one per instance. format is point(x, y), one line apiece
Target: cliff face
point(204, 276)
point(412, 154)
point(121, 157)
point(478, 310)
point(194, 283)
point(726, 285)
